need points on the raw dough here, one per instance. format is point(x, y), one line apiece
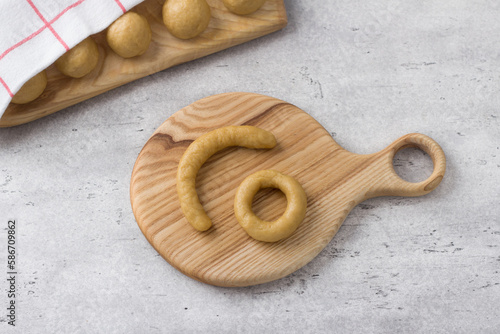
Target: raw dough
point(129, 35)
point(284, 226)
point(199, 151)
point(80, 60)
point(32, 89)
point(243, 7)
point(186, 19)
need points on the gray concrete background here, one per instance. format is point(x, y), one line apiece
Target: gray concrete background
point(369, 72)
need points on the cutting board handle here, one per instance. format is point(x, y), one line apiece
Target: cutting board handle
point(389, 183)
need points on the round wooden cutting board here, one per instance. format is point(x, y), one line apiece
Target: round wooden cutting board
point(334, 180)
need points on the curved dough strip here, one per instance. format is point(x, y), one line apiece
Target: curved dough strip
point(199, 151)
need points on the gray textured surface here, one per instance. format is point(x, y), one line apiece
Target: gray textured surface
point(369, 71)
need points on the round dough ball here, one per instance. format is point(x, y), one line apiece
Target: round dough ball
point(32, 89)
point(243, 7)
point(186, 19)
point(129, 35)
point(80, 60)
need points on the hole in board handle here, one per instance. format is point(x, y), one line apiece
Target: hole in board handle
point(412, 164)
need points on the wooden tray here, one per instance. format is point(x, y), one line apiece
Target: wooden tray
point(225, 30)
point(334, 180)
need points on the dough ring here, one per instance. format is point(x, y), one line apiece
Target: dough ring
point(284, 226)
point(199, 151)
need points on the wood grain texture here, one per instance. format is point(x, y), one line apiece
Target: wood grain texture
point(334, 180)
point(225, 30)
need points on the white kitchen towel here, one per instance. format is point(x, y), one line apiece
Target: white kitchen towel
point(34, 33)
